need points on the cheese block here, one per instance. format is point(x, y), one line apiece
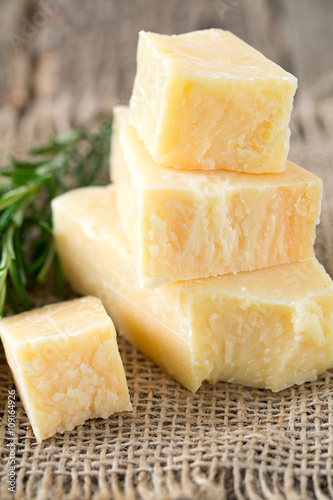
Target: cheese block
point(184, 225)
point(66, 364)
point(120, 118)
point(207, 100)
point(269, 328)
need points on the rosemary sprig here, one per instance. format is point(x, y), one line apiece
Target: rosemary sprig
point(73, 159)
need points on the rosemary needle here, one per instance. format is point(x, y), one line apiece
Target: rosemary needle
point(73, 159)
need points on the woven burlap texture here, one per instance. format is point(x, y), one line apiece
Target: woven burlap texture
point(225, 441)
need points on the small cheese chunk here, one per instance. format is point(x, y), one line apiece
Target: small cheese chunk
point(184, 225)
point(269, 328)
point(207, 100)
point(66, 364)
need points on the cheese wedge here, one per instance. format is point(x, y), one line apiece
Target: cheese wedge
point(207, 100)
point(66, 364)
point(184, 225)
point(270, 328)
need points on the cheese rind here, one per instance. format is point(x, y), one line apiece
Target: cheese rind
point(270, 328)
point(207, 100)
point(185, 225)
point(66, 364)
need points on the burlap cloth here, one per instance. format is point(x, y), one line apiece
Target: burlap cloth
point(226, 441)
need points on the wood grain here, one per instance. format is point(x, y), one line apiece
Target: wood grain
point(66, 62)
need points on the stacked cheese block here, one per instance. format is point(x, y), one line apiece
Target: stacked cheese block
point(202, 252)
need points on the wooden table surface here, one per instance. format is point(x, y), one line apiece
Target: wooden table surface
point(68, 61)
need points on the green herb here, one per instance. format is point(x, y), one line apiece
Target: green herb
point(74, 159)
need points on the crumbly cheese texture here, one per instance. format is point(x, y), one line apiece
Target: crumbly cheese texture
point(66, 364)
point(270, 328)
point(207, 100)
point(184, 225)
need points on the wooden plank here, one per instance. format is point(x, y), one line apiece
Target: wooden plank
point(66, 62)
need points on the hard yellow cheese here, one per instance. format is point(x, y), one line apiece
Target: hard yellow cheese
point(119, 121)
point(66, 364)
point(269, 328)
point(184, 225)
point(207, 100)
